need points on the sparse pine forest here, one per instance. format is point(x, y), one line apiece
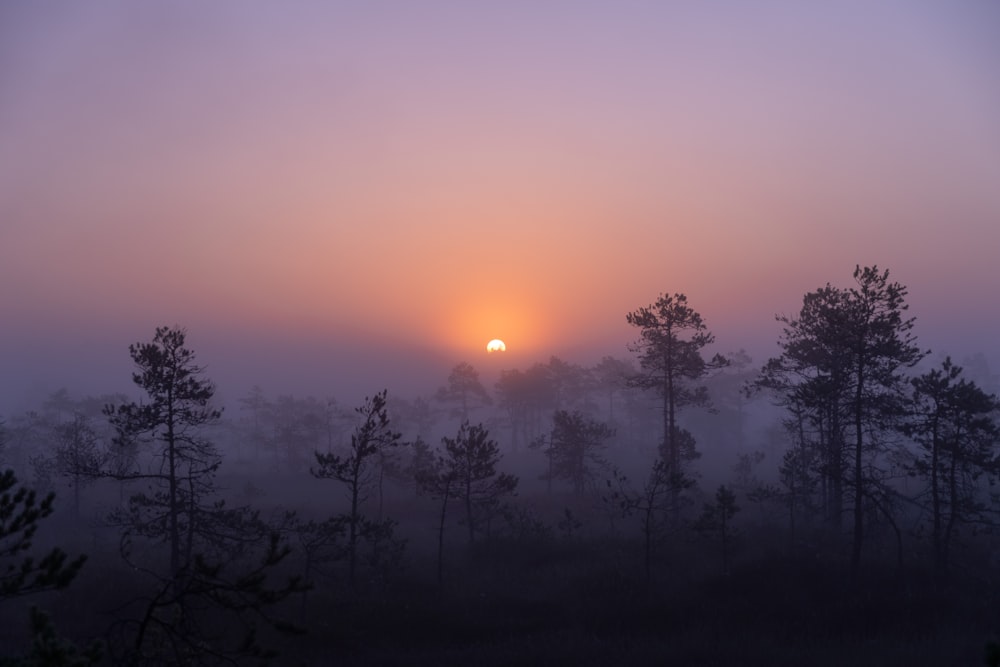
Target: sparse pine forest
point(677, 504)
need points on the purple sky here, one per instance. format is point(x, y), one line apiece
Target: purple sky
point(333, 197)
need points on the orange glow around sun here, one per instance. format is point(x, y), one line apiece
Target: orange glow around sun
point(468, 327)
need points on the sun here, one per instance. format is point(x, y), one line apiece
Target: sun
point(496, 345)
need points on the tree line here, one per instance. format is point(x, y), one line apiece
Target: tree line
point(871, 445)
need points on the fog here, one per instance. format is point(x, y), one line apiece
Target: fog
point(328, 201)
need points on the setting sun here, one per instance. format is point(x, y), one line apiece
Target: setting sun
point(496, 345)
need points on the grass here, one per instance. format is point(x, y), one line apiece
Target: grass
point(575, 606)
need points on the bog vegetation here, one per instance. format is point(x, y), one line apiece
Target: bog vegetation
point(832, 505)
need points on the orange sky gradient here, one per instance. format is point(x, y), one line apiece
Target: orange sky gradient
point(408, 179)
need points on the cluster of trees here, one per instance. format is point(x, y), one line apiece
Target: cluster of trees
point(871, 441)
point(207, 599)
point(861, 421)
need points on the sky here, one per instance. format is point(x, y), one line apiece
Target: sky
point(334, 197)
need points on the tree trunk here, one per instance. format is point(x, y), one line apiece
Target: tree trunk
point(440, 554)
point(858, 473)
point(175, 533)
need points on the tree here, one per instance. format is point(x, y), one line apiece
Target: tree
point(797, 476)
point(843, 360)
point(358, 470)
point(50, 650)
point(569, 383)
point(513, 391)
point(464, 391)
point(439, 480)
point(21, 511)
point(416, 416)
point(672, 336)
point(575, 446)
point(301, 426)
point(211, 547)
point(730, 398)
point(659, 496)
point(716, 521)
point(78, 456)
point(259, 409)
point(953, 425)
point(471, 458)
point(611, 378)
point(811, 380)
point(178, 620)
point(321, 545)
point(178, 406)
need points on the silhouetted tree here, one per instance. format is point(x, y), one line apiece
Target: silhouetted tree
point(415, 418)
point(28, 439)
point(611, 377)
point(569, 383)
point(953, 424)
point(514, 396)
point(258, 409)
point(471, 458)
point(178, 621)
point(797, 476)
point(464, 391)
point(811, 380)
point(210, 546)
point(575, 448)
point(177, 406)
point(438, 480)
point(730, 399)
point(421, 462)
point(843, 358)
point(21, 574)
point(301, 426)
point(48, 649)
point(716, 522)
point(658, 497)
point(672, 336)
point(321, 545)
point(20, 513)
point(358, 470)
point(78, 455)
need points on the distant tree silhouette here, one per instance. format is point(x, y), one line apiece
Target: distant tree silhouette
point(258, 409)
point(359, 469)
point(321, 545)
point(414, 418)
point(78, 455)
point(439, 480)
point(464, 392)
point(569, 384)
point(797, 475)
point(514, 396)
point(716, 522)
point(954, 426)
point(611, 378)
point(575, 448)
point(659, 497)
point(471, 458)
